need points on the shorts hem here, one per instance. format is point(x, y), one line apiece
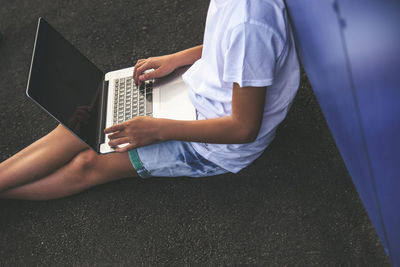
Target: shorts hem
point(138, 164)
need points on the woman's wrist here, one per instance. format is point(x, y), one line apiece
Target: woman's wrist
point(177, 60)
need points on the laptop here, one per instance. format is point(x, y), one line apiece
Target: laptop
point(81, 97)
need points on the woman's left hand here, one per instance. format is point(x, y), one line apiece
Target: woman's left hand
point(138, 131)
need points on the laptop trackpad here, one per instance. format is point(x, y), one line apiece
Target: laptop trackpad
point(171, 101)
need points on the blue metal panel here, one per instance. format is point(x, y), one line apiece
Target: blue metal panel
point(350, 50)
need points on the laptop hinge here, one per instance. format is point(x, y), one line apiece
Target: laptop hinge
point(102, 115)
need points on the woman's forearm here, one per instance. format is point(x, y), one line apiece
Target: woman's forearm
point(242, 126)
point(142, 131)
point(188, 56)
point(224, 130)
point(164, 65)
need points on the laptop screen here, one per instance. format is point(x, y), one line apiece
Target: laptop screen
point(65, 83)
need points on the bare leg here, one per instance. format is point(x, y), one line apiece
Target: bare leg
point(85, 170)
point(40, 158)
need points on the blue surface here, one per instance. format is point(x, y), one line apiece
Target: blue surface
point(350, 51)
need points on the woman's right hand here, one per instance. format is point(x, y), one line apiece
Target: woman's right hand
point(162, 66)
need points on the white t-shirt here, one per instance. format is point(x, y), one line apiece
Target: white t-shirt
point(248, 42)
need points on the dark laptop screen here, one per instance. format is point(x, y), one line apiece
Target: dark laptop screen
point(65, 83)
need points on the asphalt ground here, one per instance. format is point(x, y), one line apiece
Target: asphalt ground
point(294, 206)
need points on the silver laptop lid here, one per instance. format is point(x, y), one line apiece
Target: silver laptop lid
point(65, 83)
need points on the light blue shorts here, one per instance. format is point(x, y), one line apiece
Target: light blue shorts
point(172, 159)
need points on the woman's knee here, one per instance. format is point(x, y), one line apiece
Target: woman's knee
point(84, 165)
point(90, 169)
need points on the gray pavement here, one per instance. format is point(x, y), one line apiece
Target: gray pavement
point(296, 205)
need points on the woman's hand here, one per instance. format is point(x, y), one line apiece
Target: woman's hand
point(138, 131)
point(162, 66)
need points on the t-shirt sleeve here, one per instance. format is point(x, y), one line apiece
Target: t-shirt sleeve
point(251, 56)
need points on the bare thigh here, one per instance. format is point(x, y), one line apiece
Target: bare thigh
point(85, 170)
point(40, 158)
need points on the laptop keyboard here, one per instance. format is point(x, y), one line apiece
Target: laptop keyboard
point(131, 100)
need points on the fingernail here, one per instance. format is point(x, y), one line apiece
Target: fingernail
point(141, 77)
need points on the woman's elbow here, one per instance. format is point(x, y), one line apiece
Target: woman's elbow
point(248, 135)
